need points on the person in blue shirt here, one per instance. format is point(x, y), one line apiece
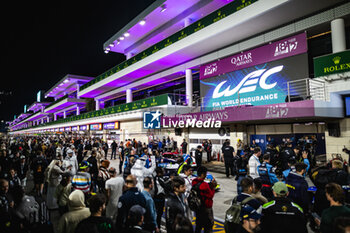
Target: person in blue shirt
point(145, 157)
point(150, 221)
point(291, 168)
point(268, 177)
point(298, 186)
point(306, 160)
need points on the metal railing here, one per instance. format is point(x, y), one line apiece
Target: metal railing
point(306, 89)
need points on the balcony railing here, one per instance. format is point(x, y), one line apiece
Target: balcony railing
point(306, 89)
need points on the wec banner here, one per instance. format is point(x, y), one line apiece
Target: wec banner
point(258, 85)
point(271, 52)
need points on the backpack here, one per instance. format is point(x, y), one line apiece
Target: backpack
point(194, 199)
point(232, 215)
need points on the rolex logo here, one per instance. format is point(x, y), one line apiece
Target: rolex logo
point(336, 60)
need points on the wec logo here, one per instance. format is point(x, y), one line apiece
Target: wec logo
point(249, 83)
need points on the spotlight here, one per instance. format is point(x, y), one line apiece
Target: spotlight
point(121, 38)
point(106, 51)
point(126, 34)
point(111, 45)
point(163, 8)
point(118, 42)
point(142, 22)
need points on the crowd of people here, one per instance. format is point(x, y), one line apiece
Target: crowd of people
point(74, 176)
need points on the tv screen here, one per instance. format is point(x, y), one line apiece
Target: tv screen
point(347, 106)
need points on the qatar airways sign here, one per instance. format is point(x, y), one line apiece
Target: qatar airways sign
point(271, 52)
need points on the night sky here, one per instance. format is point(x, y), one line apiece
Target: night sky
point(44, 41)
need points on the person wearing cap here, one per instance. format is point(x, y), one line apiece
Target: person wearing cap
point(114, 190)
point(131, 197)
point(82, 180)
point(250, 220)
point(71, 162)
point(298, 187)
point(281, 214)
point(136, 216)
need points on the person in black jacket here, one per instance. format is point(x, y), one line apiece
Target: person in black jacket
point(175, 203)
point(298, 186)
point(131, 197)
point(229, 158)
point(282, 215)
point(242, 170)
point(114, 146)
point(22, 168)
point(135, 218)
point(96, 223)
point(198, 156)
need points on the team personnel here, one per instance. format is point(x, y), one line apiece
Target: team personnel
point(199, 155)
point(254, 162)
point(298, 186)
point(282, 215)
point(242, 170)
point(268, 177)
point(228, 152)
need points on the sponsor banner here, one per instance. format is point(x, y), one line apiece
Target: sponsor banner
point(111, 125)
point(96, 127)
point(61, 129)
point(332, 64)
point(298, 109)
point(83, 127)
point(67, 129)
point(281, 49)
point(258, 85)
point(74, 128)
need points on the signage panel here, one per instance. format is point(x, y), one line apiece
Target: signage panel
point(275, 51)
point(61, 129)
point(111, 125)
point(96, 127)
point(332, 64)
point(67, 129)
point(83, 127)
point(257, 85)
point(74, 128)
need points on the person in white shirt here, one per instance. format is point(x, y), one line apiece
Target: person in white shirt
point(71, 161)
point(114, 188)
point(187, 177)
point(254, 163)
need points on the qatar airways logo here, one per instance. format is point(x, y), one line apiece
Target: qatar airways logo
point(249, 83)
point(210, 69)
point(242, 59)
